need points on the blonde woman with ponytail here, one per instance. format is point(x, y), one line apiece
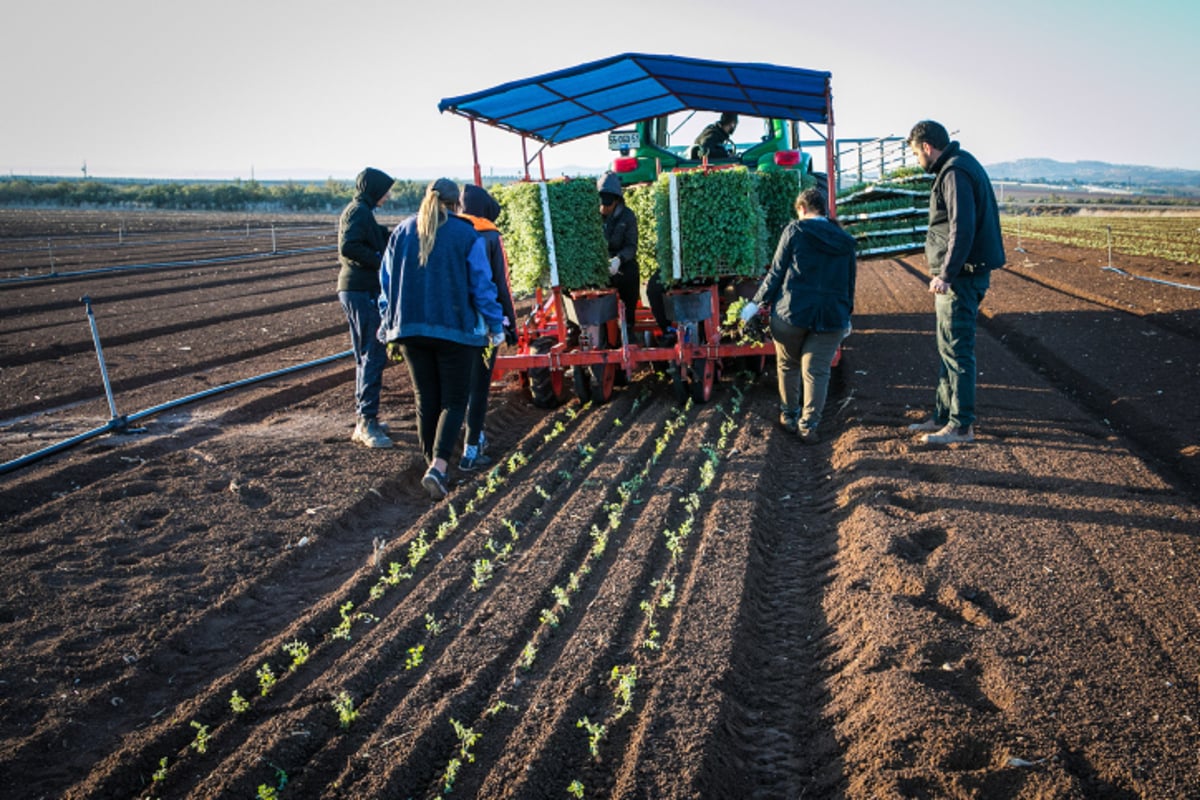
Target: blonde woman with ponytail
point(440, 305)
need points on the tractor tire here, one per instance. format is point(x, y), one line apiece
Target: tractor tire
point(541, 382)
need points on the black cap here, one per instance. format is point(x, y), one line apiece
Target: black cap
point(446, 189)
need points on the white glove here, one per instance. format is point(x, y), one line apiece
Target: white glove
point(614, 265)
point(496, 339)
point(748, 311)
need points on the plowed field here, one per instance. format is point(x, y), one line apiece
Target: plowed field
point(642, 599)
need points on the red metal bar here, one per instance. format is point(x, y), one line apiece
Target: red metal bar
point(475, 156)
point(830, 146)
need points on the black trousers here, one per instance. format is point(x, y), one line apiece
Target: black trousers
point(629, 290)
point(441, 377)
point(481, 385)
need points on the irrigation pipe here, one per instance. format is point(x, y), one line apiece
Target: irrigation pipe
point(199, 262)
point(1152, 280)
point(118, 423)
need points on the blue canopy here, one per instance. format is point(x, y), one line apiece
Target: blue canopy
point(602, 95)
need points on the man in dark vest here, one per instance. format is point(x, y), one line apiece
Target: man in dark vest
point(962, 246)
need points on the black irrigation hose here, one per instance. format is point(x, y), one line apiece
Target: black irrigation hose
point(122, 423)
point(200, 262)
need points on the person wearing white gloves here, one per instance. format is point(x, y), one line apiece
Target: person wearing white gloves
point(810, 287)
point(621, 234)
point(442, 309)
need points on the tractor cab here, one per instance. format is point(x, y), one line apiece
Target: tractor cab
point(664, 143)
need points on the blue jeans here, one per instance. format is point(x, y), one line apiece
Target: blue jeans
point(955, 314)
point(803, 356)
point(370, 354)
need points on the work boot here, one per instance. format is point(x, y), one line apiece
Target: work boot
point(369, 433)
point(808, 435)
point(790, 421)
point(951, 434)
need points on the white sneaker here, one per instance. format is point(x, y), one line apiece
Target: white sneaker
point(950, 434)
point(928, 426)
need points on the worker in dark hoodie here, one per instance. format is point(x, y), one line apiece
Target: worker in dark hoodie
point(481, 209)
point(361, 242)
point(810, 287)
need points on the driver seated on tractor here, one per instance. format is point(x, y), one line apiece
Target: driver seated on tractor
point(712, 141)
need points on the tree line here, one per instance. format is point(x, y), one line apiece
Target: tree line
point(329, 196)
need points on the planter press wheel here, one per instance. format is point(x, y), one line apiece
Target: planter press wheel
point(545, 385)
point(594, 382)
point(694, 382)
point(704, 375)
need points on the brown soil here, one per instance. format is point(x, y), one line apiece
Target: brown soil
point(745, 615)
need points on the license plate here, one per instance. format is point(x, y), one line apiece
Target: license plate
point(624, 140)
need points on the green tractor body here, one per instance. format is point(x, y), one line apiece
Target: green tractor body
point(649, 149)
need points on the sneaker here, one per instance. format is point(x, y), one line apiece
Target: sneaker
point(930, 425)
point(950, 434)
point(482, 443)
point(790, 422)
point(435, 483)
point(473, 458)
point(808, 435)
point(369, 433)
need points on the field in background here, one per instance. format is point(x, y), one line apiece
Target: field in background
point(1174, 237)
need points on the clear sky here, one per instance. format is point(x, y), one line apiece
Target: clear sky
point(306, 89)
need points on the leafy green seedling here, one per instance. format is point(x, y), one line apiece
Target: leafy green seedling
point(528, 655)
point(200, 743)
point(416, 655)
point(298, 650)
point(266, 678)
point(239, 704)
point(343, 704)
point(596, 732)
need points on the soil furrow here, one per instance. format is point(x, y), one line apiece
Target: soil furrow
point(491, 641)
point(580, 681)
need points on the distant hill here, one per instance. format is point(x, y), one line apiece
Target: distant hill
point(1046, 170)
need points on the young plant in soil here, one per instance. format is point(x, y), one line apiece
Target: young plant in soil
point(595, 732)
point(343, 704)
point(239, 704)
point(266, 678)
point(624, 681)
point(299, 652)
point(416, 655)
point(200, 743)
point(528, 655)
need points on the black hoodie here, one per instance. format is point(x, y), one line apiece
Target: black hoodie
point(362, 240)
point(811, 280)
